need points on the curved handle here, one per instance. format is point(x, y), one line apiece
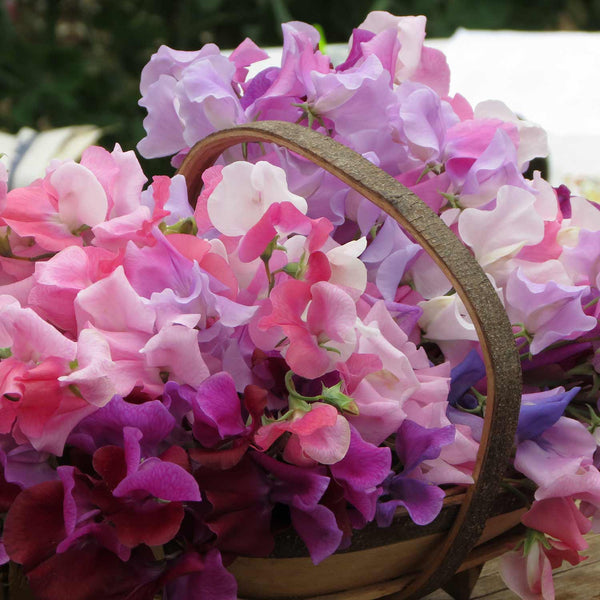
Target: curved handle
point(470, 282)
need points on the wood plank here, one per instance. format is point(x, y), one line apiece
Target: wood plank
point(580, 582)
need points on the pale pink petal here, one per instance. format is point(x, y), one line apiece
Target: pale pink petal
point(327, 445)
point(175, 350)
point(81, 198)
point(112, 304)
point(94, 374)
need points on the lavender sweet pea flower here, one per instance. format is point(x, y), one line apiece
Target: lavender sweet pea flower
point(479, 172)
point(425, 119)
point(422, 500)
point(23, 465)
point(187, 95)
point(549, 311)
point(207, 98)
point(164, 126)
point(389, 256)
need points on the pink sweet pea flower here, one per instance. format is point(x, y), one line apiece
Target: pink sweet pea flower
point(121, 176)
point(529, 576)
point(55, 210)
point(57, 281)
point(328, 334)
point(3, 188)
point(561, 519)
point(319, 435)
point(49, 383)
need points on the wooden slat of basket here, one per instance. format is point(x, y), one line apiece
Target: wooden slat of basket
point(470, 282)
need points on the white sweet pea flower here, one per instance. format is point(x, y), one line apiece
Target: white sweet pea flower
point(497, 235)
point(584, 215)
point(245, 194)
point(346, 268)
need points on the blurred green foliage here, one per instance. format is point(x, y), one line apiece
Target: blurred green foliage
point(65, 62)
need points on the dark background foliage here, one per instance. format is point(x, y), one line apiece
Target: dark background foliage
point(78, 61)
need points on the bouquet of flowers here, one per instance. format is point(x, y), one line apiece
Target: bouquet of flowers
point(179, 384)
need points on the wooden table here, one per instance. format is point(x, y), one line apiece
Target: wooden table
point(581, 582)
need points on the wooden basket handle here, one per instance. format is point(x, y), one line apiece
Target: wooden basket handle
point(470, 282)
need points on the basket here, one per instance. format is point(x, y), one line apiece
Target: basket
point(474, 525)
point(380, 562)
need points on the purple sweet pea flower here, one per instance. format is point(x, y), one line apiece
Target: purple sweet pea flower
point(216, 408)
point(23, 465)
point(199, 577)
point(362, 487)
point(301, 489)
point(539, 411)
point(464, 376)
point(422, 500)
point(359, 36)
point(106, 426)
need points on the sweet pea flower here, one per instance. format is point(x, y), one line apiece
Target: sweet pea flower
point(289, 84)
point(45, 390)
point(560, 462)
point(302, 489)
point(57, 209)
point(528, 574)
point(246, 191)
point(533, 140)
point(120, 175)
point(57, 281)
point(415, 444)
point(425, 118)
point(325, 336)
point(410, 32)
point(446, 321)
point(549, 311)
point(181, 92)
point(541, 410)
point(497, 235)
point(320, 435)
point(569, 529)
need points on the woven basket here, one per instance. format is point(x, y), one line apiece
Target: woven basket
point(404, 561)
